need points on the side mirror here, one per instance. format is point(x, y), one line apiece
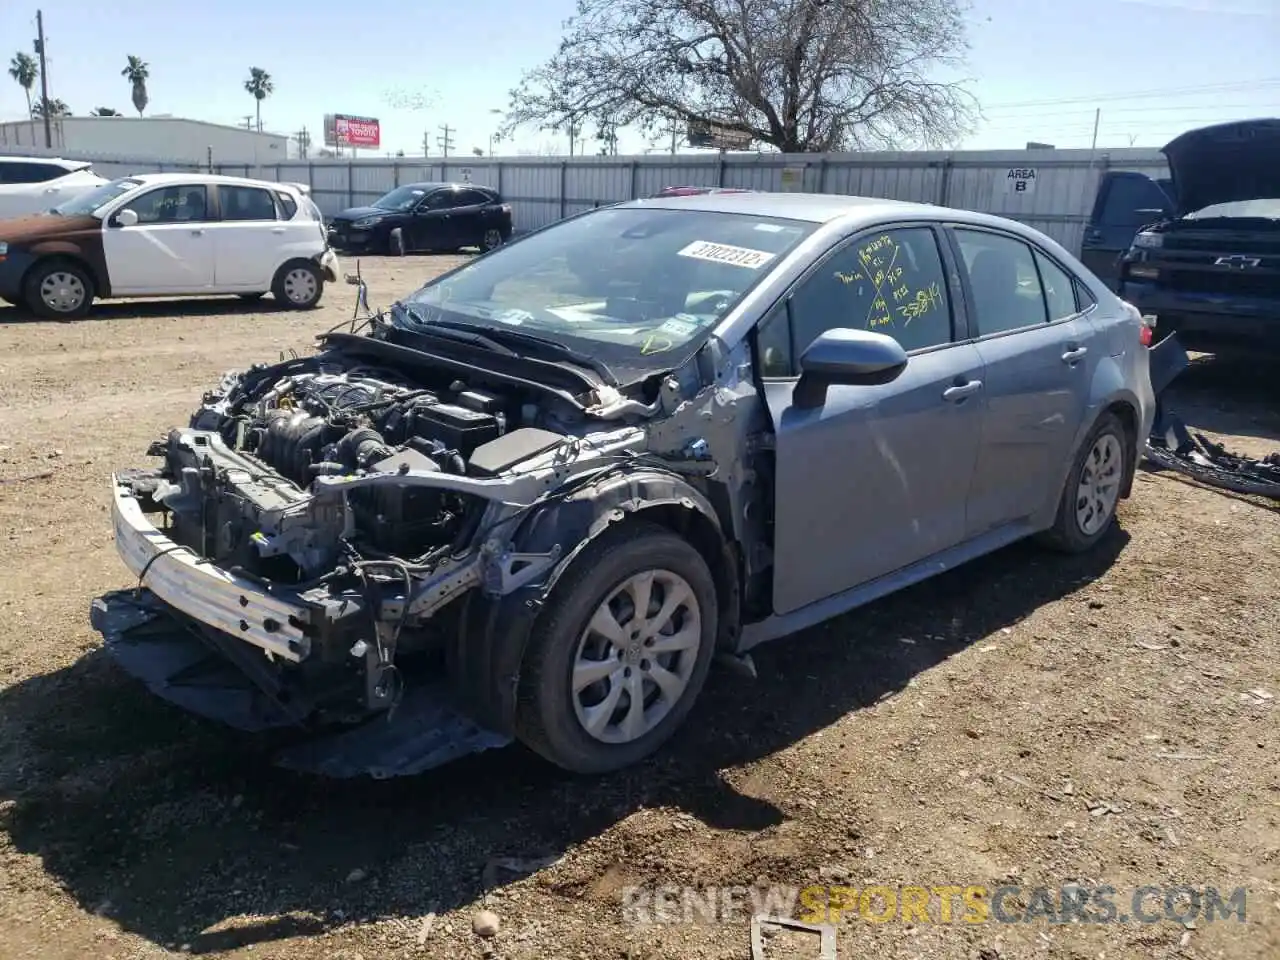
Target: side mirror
point(126, 218)
point(844, 356)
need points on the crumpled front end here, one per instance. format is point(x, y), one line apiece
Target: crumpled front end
point(305, 548)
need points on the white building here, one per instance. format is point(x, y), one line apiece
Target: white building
point(161, 139)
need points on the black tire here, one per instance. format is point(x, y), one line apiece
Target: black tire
point(546, 718)
point(395, 243)
point(491, 240)
point(45, 270)
point(1067, 535)
point(290, 282)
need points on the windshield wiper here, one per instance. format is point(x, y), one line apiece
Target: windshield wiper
point(555, 348)
point(460, 332)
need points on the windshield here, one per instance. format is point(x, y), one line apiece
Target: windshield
point(1266, 208)
point(401, 198)
point(86, 203)
point(633, 287)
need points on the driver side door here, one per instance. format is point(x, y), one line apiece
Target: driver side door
point(877, 477)
point(432, 225)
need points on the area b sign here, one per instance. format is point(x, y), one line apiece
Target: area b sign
point(1020, 180)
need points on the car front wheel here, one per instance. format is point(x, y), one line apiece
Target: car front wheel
point(59, 290)
point(492, 239)
point(1092, 492)
point(298, 285)
point(621, 651)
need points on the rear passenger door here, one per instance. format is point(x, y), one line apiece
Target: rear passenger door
point(1039, 353)
point(877, 478)
point(250, 239)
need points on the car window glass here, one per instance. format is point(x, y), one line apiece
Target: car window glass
point(1003, 279)
point(888, 282)
point(440, 200)
point(29, 172)
point(246, 203)
point(1084, 297)
point(1058, 288)
point(470, 198)
point(176, 204)
point(288, 206)
point(1132, 202)
point(773, 344)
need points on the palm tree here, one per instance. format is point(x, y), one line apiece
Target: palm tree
point(23, 69)
point(259, 84)
point(57, 108)
point(104, 112)
point(137, 72)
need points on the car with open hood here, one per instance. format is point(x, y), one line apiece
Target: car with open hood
point(165, 235)
point(1210, 270)
point(425, 218)
point(533, 499)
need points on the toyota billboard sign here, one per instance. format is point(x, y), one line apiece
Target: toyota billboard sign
point(344, 130)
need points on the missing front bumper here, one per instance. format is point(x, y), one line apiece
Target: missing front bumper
point(183, 663)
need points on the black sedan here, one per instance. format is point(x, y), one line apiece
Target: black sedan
point(426, 217)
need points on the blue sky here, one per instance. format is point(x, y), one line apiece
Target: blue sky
point(1039, 68)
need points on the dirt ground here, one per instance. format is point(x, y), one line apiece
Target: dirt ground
point(1028, 720)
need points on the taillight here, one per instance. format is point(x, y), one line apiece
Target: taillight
point(1147, 330)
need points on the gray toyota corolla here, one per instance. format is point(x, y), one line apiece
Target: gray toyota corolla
point(532, 500)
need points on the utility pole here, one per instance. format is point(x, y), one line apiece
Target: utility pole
point(446, 141)
point(304, 143)
point(248, 122)
point(426, 143)
point(44, 80)
point(1097, 116)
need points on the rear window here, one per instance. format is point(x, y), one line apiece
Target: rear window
point(288, 206)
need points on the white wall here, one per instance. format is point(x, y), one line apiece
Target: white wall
point(173, 140)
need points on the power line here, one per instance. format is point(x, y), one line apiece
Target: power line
point(1143, 109)
point(1141, 94)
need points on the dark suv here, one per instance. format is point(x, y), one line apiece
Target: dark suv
point(426, 217)
point(1211, 272)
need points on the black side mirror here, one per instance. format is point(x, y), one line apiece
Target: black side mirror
point(845, 356)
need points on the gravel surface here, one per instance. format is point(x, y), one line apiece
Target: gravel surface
point(1027, 720)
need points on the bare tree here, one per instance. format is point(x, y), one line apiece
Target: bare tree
point(801, 75)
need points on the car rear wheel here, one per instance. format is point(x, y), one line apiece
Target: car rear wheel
point(621, 651)
point(492, 239)
point(298, 285)
point(1087, 509)
point(59, 290)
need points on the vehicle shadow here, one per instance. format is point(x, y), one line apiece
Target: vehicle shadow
point(170, 825)
point(134, 309)
point(1231, 395)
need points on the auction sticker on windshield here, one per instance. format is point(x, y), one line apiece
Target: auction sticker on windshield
point(726, 253)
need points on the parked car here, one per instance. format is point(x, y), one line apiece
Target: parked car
point(34, 184)
point(1126, 202)
point(573, 469)
point(425, 217)
point(1211, 271)
point(167, 234)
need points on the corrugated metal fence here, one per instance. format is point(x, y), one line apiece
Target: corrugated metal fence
point(544, 189)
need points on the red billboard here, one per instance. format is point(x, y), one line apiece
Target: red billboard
point(344, 130)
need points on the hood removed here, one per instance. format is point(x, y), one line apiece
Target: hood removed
point(1224, 163)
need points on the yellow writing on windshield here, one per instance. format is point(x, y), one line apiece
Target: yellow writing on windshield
point(926, 299)
point(655, 344)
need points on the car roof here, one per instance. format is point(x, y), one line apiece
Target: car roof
point(820, 208)
point(209, 178)
point(68, 165)
point(443, 184)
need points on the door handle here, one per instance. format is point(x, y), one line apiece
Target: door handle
point(197, 233)
point(277, 229)
point(961, 390)
point(1074, 354)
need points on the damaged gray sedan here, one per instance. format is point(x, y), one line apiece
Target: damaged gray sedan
point(535, 498)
